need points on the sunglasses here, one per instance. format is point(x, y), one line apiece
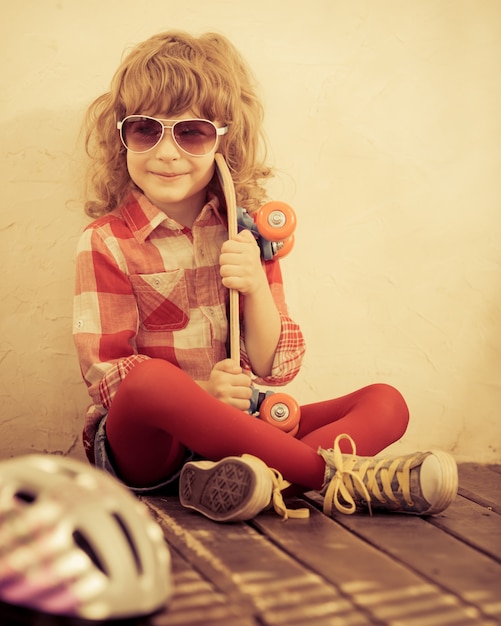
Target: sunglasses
point(140, 133)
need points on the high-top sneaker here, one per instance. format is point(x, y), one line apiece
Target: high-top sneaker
point(234, 489)
point(423, 483)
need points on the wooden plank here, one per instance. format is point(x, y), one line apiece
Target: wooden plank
point(255, 576)
point(185, 607)
point(196, 602)
point(478, 526)
point(480, 484)
point(437, 556)
point(494, 468)
point(388, 590)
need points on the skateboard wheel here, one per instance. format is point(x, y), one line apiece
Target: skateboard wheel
point(276, 221)
point(282, 411)
point(282, 248)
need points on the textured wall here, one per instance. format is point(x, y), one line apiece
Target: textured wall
point(384, 119)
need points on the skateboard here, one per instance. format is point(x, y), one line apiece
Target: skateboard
point(273, 229)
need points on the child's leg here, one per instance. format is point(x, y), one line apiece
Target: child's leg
point(159, 409)
point(375, 417)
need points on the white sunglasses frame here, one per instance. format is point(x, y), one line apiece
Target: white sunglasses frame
point(219, 132)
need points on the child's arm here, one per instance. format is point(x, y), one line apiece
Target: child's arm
point(105, 319)
point(273, 343)
point(261, 328)
point(241, 269)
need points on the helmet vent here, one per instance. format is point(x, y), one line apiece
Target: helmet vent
point(130, 541)
point(84, 544)
point(25, 496)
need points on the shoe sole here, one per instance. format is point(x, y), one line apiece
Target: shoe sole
point(230, 490)
point(450, 482)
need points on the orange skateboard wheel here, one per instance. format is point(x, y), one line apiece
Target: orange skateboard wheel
point(285, 247)
point(282, 411)
point(276, 221)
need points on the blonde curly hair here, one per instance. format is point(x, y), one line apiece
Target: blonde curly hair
point(174, 72)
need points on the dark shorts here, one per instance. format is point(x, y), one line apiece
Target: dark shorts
point(104, 460)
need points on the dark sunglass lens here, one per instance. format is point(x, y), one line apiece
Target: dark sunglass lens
point(141, 134)
point(197, 137)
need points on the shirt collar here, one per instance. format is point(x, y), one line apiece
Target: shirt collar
point(143, 217)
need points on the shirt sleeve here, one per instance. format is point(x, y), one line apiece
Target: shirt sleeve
point(291, 345)
point(105, 317)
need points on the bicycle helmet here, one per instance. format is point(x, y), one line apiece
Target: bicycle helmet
point(75, 542)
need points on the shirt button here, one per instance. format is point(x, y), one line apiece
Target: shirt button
point(79, 324)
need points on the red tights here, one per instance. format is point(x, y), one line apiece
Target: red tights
point(159, 410)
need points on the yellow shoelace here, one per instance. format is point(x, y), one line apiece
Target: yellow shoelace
point(279, 484)
point(347, 482)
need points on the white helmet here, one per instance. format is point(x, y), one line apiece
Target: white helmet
point(75, 542)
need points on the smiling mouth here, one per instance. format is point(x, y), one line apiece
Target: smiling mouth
point(168, 174)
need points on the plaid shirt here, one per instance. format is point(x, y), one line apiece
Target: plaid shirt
point(146, 287)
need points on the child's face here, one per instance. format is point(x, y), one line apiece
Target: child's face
point(174, 181)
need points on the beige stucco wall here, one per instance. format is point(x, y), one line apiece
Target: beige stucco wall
point(384, 119)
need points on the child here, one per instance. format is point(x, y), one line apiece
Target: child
point(153, 272)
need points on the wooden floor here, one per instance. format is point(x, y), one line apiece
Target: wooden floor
point(388, 569)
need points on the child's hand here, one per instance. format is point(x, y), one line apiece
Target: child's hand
point(228, 383)
point(240, 264)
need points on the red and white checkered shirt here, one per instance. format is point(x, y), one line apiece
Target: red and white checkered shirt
point(147, 287)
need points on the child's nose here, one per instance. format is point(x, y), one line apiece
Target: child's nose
point(167, 148)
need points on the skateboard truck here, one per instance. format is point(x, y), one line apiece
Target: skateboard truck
point(273, 228)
